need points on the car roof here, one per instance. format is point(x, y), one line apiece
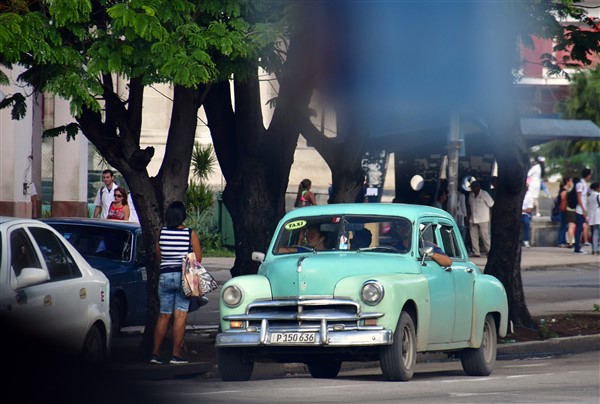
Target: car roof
point(6, 219)
point(409, 211)
point(115, 224)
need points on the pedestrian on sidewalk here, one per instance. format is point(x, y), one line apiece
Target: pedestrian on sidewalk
point(305, 196)
point(534, 182)
point(480, 203)
point(174, 243)
point(526, 211)
point(582, 190)
point(593, 204)
point(565, 185)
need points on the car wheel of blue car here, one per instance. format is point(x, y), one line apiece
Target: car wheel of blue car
point(480, 361)
point(398, 360)
point(233, 366)
point(324, 370)
point(116, 316)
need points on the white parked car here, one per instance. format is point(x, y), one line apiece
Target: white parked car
point(50, 290)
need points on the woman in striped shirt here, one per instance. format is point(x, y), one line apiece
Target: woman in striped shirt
point(174, 242)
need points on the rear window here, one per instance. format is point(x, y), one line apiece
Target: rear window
point(97, 241)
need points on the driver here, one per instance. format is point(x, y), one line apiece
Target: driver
point(314, 238)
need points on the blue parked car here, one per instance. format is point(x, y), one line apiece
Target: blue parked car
point(117, 249)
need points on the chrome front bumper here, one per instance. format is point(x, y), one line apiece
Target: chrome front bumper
point(325, 336)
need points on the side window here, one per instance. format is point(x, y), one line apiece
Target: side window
point(449, 241)
point(22, 254)
point(426, 234)
point(59, 261)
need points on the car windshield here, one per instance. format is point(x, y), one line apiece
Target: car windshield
point(345, 232)
point(97, 241)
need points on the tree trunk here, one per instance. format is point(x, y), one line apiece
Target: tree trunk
point(499, 102)
point(255, 161)
point(344, 158)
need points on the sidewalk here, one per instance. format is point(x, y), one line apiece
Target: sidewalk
point(201, 333)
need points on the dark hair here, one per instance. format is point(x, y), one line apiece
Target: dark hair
point(585, 172)
point(304, 185)
point(112, 174)
point(595, 185)
point(175, 214)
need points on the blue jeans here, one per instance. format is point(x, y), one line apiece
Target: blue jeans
point(579, 220)
point(562, 230)
point(169, 293)
point(526, 220)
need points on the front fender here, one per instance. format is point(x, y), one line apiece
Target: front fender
point(399, 290)
point(253, 287)
point(489, 296)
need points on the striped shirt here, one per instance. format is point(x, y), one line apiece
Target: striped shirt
point(174, 245)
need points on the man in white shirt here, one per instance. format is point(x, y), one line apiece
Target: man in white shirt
point(526, 212)
point(480, 203)
point(582, 190)
point(106, 196)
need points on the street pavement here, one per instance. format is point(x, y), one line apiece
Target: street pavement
point(203, 323)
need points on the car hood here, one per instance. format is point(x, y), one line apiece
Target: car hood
point(318, 274)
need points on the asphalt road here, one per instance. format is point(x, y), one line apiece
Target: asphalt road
point(566, 379)
point(570, 289)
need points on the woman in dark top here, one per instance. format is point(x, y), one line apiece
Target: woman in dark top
point(174, 243)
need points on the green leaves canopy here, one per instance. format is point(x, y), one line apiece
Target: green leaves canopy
point(66, 46)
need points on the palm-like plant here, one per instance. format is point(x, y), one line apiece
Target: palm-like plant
point(203, 160)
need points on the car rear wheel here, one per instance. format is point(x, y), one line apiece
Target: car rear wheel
point(93, 347)
point(232, 365)
point(480, 361)
point(324, 370)
point(398, 360)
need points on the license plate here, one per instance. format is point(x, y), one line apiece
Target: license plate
point(293, 337)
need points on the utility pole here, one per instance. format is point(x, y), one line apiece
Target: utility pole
point(454, 145)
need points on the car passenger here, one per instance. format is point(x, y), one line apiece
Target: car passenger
point(314, 241)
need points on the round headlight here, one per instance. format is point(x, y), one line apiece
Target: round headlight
point(372, 292)
point(232, 296)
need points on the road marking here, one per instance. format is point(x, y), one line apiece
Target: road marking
point(531, 365)
point(518, 376)
point(206, 393)
point(469, 380)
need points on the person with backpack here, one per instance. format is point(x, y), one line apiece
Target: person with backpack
point(570, 212)
point(565, 184)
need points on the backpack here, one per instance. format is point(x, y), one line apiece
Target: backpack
point(572, 198)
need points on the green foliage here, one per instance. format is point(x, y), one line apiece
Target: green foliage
point(203, 161)
point(596, 307)
point(583, 102)
point(203, 222)
point(66, 46)
point(19, 107)
point(199, 196)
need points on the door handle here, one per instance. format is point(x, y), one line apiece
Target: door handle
point(469, 270)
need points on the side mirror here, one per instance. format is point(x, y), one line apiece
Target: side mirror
point(425, 252)
point(31, 276)
point(258, 256)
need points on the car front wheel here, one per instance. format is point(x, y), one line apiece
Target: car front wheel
point(480, 361)
point(232, 365)
point(398, 360)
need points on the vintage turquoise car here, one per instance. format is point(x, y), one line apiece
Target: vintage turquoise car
point(358, 282)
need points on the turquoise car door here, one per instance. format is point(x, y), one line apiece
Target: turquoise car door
point(441, 290)
point(463, 277)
